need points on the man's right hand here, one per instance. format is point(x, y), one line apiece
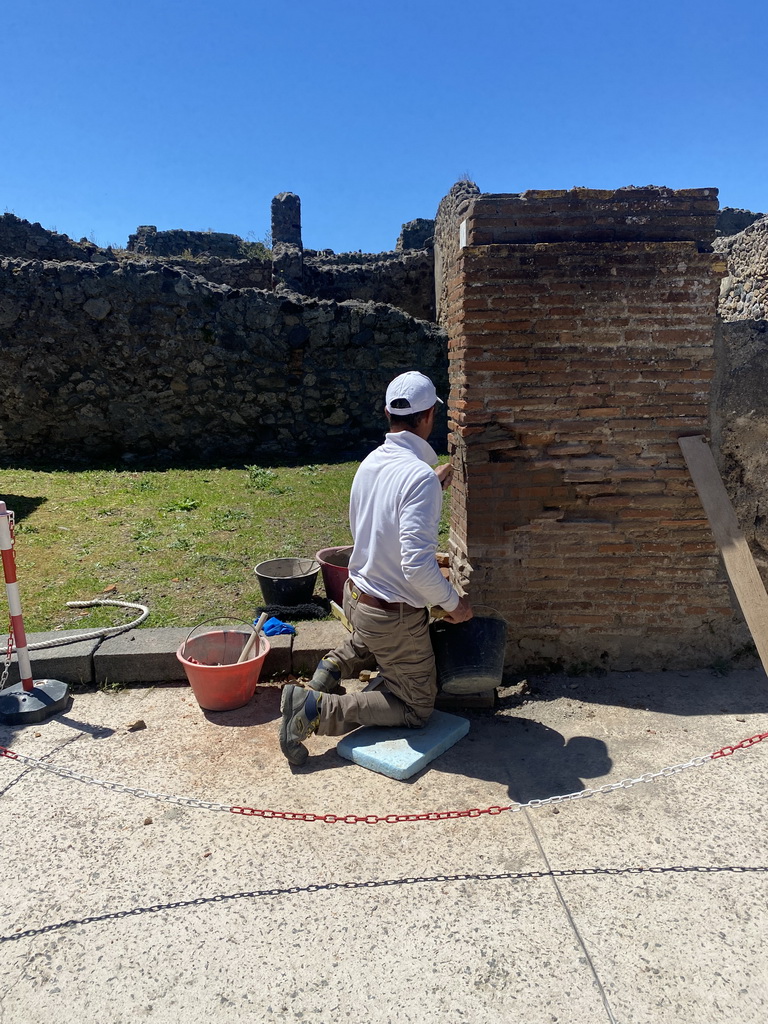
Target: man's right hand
point(461, 612)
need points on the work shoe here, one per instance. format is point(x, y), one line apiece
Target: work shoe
point(301, 716)
point(326, 677)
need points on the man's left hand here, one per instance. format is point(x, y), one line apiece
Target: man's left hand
point(445, 474)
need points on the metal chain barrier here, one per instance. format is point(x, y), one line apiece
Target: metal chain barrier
point(378, 819)
point(8, 655)
point(294, 890)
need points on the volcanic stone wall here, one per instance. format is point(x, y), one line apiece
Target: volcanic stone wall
point(147, 240)
point(242, 273)
point(744, 291)
point(740, 426)
point(403, 279)
point(144, 359)
point(28, 241)
point(581, 331)
point(740, 398)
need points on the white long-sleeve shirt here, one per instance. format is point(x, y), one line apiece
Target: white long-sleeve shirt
point(394, 512)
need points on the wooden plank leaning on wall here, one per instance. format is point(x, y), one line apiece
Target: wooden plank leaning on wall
point(731, 542)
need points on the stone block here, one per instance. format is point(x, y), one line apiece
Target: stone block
point(141, 656)
point(70, 662)
point(279, 657)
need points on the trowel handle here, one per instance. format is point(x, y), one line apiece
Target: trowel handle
point(437, 612)
point(246, 653)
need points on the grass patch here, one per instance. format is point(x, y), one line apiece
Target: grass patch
point(183, 542)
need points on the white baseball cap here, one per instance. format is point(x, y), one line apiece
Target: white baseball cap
point(409, 393)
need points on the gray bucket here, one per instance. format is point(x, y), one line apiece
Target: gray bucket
point(469, 656)
point(288, 581)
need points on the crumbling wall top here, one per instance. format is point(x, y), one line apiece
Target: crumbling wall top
point(648, 214)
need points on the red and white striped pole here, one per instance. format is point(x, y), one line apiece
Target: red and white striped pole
point(30, 700)
point(14, 601)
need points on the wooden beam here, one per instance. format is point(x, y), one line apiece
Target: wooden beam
point(338, 612)
point(731, 542)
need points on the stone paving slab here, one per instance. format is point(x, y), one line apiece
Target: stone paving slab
point(140, 656)
point(121, 907)
point(313, 640)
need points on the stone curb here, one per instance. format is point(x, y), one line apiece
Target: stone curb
point(149, 655)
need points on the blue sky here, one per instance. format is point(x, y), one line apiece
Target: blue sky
point(193, 114)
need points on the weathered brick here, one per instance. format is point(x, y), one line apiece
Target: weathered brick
point(600, 372)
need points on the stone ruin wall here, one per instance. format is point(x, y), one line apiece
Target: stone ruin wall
point(21, 239)
point(145, 351)
point(740, 392)
point(403, 278)
point(148, 241)
point(581, 336)
point(145, 360)
point(744, 289)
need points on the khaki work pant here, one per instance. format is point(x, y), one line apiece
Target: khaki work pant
point(399, 640)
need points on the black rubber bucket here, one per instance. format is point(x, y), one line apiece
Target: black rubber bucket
point(288, 581)
point(469, 655)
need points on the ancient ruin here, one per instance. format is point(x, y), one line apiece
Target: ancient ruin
point(580, 332)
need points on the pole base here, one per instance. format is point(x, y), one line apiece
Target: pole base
point(24, 707)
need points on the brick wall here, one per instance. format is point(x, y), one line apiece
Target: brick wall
point(575, 364)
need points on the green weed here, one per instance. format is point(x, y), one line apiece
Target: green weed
point(261, 479)
point(185, 505)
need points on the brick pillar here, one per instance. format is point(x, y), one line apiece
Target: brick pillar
point(581, 346)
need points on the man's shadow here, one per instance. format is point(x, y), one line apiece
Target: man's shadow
point(532, 760)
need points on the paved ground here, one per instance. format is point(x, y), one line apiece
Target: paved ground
point(118, 908)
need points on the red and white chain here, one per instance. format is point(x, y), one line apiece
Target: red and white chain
point(376, 819)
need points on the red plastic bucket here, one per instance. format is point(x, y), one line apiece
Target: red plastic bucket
point(334, 565)
point(218, 682)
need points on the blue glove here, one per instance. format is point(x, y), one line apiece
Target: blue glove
point(273, 627)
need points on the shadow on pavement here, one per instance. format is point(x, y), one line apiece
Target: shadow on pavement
point(263, 707)
point(9, 732)
point(699, 692)
point(532, 760)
